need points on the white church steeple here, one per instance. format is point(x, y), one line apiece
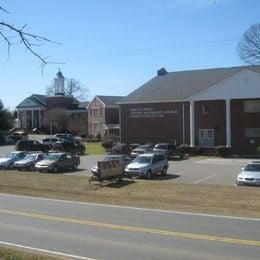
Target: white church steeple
point(59, 84)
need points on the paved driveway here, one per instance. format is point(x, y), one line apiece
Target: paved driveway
point(193, 170)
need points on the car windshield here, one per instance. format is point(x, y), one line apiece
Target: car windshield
point(52, 157)
point(253, 167)
point(143, 159)
point(142, 147)
point(30, 157)
point(161, 146)
point(117, 147)
point(10, 155)
point(110, 158)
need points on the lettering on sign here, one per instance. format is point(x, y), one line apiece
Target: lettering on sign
point(149, 112)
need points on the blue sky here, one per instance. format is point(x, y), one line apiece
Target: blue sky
point(114, 46)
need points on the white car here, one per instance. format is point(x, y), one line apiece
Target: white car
point(145, 165)
point(250, 174)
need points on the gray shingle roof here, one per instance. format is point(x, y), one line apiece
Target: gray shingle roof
point(110, 100)
point(39, 100)
point(179, 86)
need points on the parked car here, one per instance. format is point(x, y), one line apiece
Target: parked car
point(50, 141)
point(124, 158)
point(19, 135)
point(29, 161)
point(56, 162)
point(145, 165)
point(120, 148)
point(31, 145)
point(8, 160)
point(75, 146)
point(170, 150)
point(140, 149)
point(65, 136)
point(250, 174)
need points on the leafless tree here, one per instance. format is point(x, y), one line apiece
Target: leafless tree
point(57, 119)
point(73, 88)
point(76, 89)
point(12, 35)
point(249, 46)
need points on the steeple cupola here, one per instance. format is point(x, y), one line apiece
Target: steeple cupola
point(59, 84)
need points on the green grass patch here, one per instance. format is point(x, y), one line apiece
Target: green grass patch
point(13, 254)
point(94, 149)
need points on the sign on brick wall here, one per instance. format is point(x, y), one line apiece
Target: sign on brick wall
point(149, 112)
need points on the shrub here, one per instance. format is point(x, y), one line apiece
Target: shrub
point(185, 148)
point(222, 151)
point(133, 146)
point(107, 144)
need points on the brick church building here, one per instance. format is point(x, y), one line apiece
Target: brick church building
point(203, 108)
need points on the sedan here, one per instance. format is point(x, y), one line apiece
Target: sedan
point(250, 175)
point(140, 149)
point(29, 161)
point(8, 160)
point(56, 162)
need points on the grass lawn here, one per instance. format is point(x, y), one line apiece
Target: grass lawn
point(94, 148)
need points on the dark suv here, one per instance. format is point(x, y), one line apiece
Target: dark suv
point(31, 145)
point(74, 146)
point(170, 150)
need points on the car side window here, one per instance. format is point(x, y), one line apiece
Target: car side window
point(155, 159)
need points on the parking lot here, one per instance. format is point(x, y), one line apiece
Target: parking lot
point(192, 170)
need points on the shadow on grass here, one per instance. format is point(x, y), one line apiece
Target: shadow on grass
point(113, 183)
point(159, 177)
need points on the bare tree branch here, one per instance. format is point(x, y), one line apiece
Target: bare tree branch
point(29, 40)
point(249, 46)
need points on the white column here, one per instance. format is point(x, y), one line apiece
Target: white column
point(32, 119)
point(192, 122)
point(228, 123)
point(183, 122)
point(40, 119)
point(25, 119)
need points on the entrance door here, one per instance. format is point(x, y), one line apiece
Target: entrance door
point(206, 137)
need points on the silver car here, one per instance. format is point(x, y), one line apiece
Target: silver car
point(145, 165)
point(250, 174)
point(29, 161)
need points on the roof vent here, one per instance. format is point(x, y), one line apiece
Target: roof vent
point(161, 72)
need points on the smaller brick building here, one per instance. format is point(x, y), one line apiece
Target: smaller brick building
point(201, 107)
point(103, 115)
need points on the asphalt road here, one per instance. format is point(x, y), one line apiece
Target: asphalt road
point(91, 231)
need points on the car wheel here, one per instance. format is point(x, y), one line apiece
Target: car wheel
point(149, 174)
point(164, 171)
point(75, 166)
point(181, 156)
point(55, 169)
point(31, 168)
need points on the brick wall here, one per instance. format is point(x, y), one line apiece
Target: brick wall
point(211, 115)
point(155, 122)
point(241, 120)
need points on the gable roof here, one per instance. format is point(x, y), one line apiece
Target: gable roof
point(180, 85)
point(110, 100)
point(33, 101)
